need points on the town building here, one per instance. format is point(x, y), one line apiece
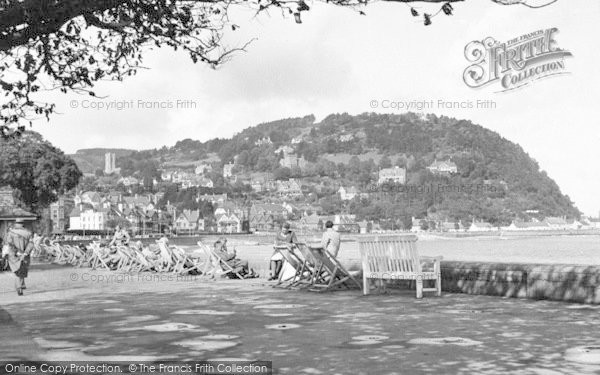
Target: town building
point(228, 170)
point(202, 169)
point(347, 194)
point(263, 141)
point(59, 214)
point(393, 175)
point(84, 217)
point(556, 222)
point(443, 167)
point(480, 226)
point(228, 223)
point(290, 188)
point(293, 161)
point(189, 221)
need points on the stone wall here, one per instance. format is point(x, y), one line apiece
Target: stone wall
point(554, 282)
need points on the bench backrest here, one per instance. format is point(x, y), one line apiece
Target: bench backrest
point(389, 254)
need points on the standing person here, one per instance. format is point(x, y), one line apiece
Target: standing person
point(284, 236)
point(331, 239)
point(3, 257)
point(18, 246)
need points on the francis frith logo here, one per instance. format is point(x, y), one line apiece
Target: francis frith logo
point(514, 63)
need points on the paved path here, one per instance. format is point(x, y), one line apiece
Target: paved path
point(79, 314)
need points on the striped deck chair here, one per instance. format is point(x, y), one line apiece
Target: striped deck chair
point(211, 265)
point(186, 263)
point(219, 263)
point(302, 276)
point(330, 274)
point(98, 257)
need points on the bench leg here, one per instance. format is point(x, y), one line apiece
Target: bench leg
point(438, 285)
point(365, 285)
point(419, 287)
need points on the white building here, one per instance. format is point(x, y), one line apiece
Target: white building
point(228, 170)
point(203, 168)
point(347, 194)
point(443, 167)
point(481, 227)
point(87, 219)
point(129, 181)
point(395, 175)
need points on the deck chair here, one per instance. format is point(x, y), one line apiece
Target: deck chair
point(98, 257)
point(216, 265)
point(396, 258)
point(329, 273)
point(302, 275)
point(185, 263)
point(166, 262)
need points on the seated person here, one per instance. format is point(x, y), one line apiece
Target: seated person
point(121, 237)
point(284, 236)
point(238, 265)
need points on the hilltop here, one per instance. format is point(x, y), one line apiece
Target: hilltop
point(494, 179)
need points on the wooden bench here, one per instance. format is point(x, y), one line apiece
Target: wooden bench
point(395, 257)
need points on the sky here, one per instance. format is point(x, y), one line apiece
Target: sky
point(339, 61)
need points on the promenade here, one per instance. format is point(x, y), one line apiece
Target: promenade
point(85, 315)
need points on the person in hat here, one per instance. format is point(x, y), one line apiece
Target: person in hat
point(285, 236)
point(17, 247)
point(121, 237)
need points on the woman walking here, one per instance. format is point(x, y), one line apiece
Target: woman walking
point(17, 247)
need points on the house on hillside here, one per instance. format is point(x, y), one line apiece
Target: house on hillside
point(289, 188)
point(202, 169)
point(263, 141)
point(128, 181)
point(443, 167)
point(257, 186)
point(347, 194)
point(212, 198)
point(285, 150)
point(293, 161)
point(228, 170)
point(393, 175)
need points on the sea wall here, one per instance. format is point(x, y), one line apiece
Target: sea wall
point(557, 282)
